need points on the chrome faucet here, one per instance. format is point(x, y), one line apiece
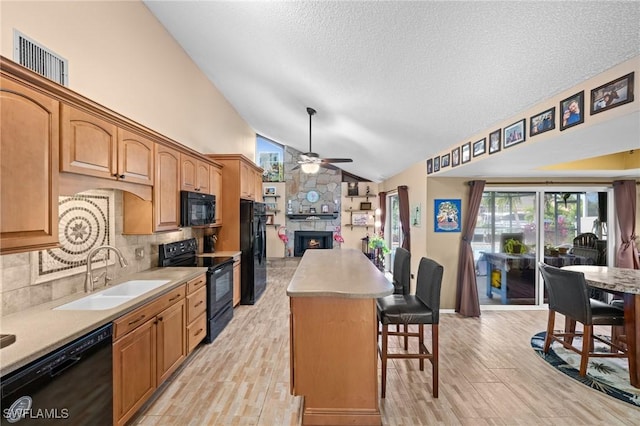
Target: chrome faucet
point(89, 280)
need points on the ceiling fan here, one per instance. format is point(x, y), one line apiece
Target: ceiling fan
point(310, 162)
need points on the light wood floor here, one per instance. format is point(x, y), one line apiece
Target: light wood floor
point(489, 375)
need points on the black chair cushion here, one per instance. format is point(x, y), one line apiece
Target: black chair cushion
point(605, 314)
point(403, 309)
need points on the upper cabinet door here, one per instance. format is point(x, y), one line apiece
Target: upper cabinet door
point(135, 158)
point(29, 169)
point(188, 173)
point(166, 191)
point(88, 144)
point(204, 177)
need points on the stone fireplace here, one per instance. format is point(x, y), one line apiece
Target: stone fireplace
point(304, 240)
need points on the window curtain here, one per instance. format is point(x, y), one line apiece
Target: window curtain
point(405, 221)
point(383, 210)
point(467, 303)
point(625, 193)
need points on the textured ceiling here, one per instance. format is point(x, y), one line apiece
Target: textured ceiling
point(396, 82)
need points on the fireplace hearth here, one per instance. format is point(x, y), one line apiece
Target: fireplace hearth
point(314, 240)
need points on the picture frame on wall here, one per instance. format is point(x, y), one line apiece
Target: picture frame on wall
point(447, 215)
point(269, 190)
point(572, 111)
point(429, 166)
point(495, 139)
point(365, 205)
point(444, 160)
point(542, 122)
point(455, 157)
point(436, 164)
point(612, 94)
point(466, 153)
point(480, 147)
point(352, 189)
point(514, 133)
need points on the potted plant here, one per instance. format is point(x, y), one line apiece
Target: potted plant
point(380, 248)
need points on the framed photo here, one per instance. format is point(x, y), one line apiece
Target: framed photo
point(269, 219)
point(571, 111)
point(444, 160)
point(447, 215)
point(312, 210)
point(429, 166)
point(494, 141)
point(365, 206)
point(436, 164)
point(362, 219)
point(324, 208)
point(614, 93)
point(352, 188)
point(269, 190)
point(466, 152)
point(455, 157)
point(514, 133)
point(542, 122)
point(271, 207)
point(480, 147)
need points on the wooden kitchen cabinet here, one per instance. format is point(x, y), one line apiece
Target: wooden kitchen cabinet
point(149, 345)
point(196, 311)
point(29, 149)
point(216, 189)
point(171, 340)
point(134, 371)
point(239, 180)
point(93, 146)
point(194, 175)
point(166, 191)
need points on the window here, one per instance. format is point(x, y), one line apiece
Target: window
point(270, 156)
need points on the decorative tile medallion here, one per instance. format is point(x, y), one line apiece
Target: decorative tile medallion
point(86, 221)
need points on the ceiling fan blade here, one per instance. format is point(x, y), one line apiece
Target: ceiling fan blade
point(337, 160)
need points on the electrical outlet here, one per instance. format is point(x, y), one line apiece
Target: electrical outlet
point(139, 253)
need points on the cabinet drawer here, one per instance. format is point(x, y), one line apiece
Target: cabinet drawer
point(196, 331)
point(134, 319)
point(196, 283)
point(196, 304)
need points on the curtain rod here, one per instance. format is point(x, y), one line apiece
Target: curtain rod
point(549, 182)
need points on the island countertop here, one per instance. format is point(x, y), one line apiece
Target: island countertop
point(345, 273)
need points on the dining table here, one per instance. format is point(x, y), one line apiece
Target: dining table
point(627, 282)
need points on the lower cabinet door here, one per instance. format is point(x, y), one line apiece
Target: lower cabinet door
point(134, 371)
point(196, 331)
point(172, 345)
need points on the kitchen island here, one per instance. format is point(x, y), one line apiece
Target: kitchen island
point(333, 337)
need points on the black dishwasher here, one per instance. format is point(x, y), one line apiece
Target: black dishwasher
point(72, 385)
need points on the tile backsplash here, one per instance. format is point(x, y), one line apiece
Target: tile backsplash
point(21, 280)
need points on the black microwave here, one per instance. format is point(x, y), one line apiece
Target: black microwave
point(197, 209)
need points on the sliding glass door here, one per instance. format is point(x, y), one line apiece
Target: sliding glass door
point(516, 228)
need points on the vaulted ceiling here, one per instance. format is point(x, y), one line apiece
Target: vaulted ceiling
point(394, 83)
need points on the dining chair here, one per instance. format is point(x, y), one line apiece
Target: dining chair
point(569, 296)
point(419, 309)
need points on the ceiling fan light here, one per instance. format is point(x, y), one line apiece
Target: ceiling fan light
point(310, 167)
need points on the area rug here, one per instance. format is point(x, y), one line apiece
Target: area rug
point(607, 375)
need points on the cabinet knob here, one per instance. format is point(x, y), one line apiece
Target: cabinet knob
point(116, 175)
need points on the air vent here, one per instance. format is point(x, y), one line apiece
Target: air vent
point(39, 59)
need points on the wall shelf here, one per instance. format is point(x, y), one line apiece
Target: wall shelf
point(271, 196)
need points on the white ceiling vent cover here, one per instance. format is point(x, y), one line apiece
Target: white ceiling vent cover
point(39, 59)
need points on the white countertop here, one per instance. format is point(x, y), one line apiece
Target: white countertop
point(40, 330)
point(346, 273)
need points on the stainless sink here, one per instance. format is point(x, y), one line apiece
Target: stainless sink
point(113, 296)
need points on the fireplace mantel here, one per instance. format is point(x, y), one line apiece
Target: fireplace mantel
point(312, 216)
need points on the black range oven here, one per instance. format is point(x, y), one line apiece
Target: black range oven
point(219, 280)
